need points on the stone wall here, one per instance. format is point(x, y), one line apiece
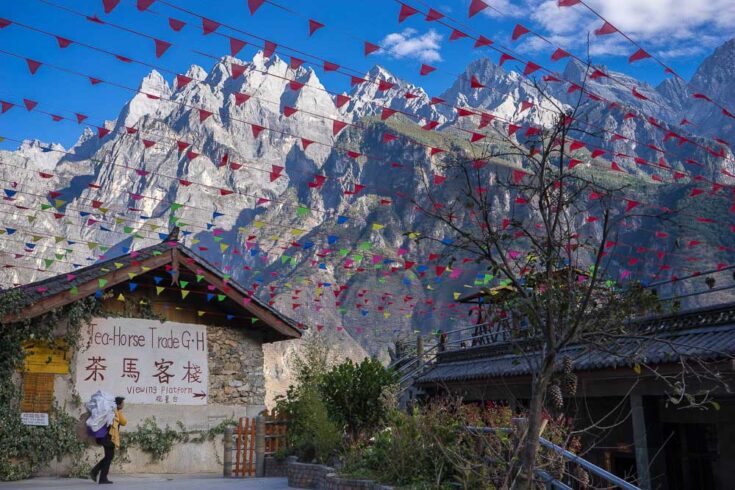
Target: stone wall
point(235, 366)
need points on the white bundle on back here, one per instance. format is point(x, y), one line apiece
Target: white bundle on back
point(101, 409)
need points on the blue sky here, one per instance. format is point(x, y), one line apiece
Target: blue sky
point(682, 32)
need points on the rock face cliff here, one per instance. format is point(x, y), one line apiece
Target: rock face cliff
point(321, 252)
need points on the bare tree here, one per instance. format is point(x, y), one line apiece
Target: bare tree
point(544, 222)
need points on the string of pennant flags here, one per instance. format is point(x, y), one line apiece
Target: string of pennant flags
point(209, 27)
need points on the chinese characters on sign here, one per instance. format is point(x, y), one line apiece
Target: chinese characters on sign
point(145, 361)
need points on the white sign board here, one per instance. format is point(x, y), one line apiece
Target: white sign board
point(145, 361)
point(32, 418)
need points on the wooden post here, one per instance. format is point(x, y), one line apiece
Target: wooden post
point(260, 446)
point(640, 439)
point(420, 350)
point(227, 459)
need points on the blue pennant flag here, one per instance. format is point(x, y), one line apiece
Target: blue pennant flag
point(210, 296)
point(133, 286)
point(157, 279)
point(332, 239)
point(342, 220)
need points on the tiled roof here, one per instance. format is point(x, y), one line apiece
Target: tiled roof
point(45, 288)
point(708, 334)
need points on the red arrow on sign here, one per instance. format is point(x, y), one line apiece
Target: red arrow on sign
point(200, 395)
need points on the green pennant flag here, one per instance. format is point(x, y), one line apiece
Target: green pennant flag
point(175, 207)
point(102, 283)
point(285, 258)
point(358, 258)
point(253, 320)
point(218, 239)
point(343, 251)
point(183, 284)
point(364, 246)
point(91, 245)
point(221, 297)
point(74, 291)
point(128, 229)
point(31, 219)
point(44, 207)
point(199, 278)
point(58, 239)
point(156, 253)
point(302, 211)
point(48, 262)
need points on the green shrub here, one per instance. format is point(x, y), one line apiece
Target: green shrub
point(312, 435)
point(353, 395)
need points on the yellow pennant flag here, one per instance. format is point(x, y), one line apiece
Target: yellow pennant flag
point(378, 226)
point(184, 293)
point(159, 290)
point(120, 297)
point(223, 247)
point(200, 313)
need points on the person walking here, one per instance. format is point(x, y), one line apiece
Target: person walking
point(109, 442)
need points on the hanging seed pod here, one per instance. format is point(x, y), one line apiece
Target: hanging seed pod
point(582, 477)
point(567, 364)
point(570, 384)
point(555, 396)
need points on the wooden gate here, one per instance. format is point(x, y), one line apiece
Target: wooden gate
point(274, 438)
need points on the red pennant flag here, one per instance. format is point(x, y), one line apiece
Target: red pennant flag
point(614, 166)
point(485, 119)
point(341, 100)
point(410, 96)
point(597, 74)
point(530, 68)
point(426, 69)
point(318, 181)
point(209, 26)
point(457, 34)
point(182, 80)
point(44, 175)
point(241, 98)
point(256, 130)
point(568, 3)
point(295, 63)
point(433, 15)
point(236, 45)
point(505, 57)
point(353, 154)
point(109, 5)
point(408, 264)
point(559, 54)
point(597, 152)
point(518, 31)
point(329, 66)
point(161, 47)
point(337, 126)
point(464, 112)
point(143, 5)
point(148, 143)
point(573, 87)
point(573, 162)
point(475, 83)
point(102, 132)
point(237, 70)
point(289, 111)
point(130, 130)
point(370, 48)
point(386, 113)
point(430, 125)
point(476, 137)
point(314, 26)
point(94, 81)
point(550, 78)
point(176, 24)
point(513, 129)
point(406, 12)
point(63, 42)
point(436, 100)
point(33, 65)
point(254, 5)
point(434, 151)
point(439, 179)
point(6, 106)
point(388, 137)
point(476, 6)
point(305, 143)
point(576, 145)
point(631, 204)
point(525, 105)
point(638, 55)
point(269, 48)
point(30, 104)
point(696, 192)
point(182, 145)
point(225, 192)
point(533, 132)
point(295, 86)
point(203, 115)
point(191, 155)
point(4, 23)
point(384, 85)
point(56, 118)
point(517, 177)
point(637, 94)
point(124, 59)
point(607, 28)
point(356, 80)
point(482, 41)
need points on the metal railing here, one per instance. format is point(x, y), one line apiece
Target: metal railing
point(551, 482)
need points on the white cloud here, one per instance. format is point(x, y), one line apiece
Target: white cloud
point(673, 27)
point(409, 43)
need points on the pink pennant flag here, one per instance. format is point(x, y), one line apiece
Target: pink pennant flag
point(225, 192)
point(607, 28)
point(314, 26)
point(476, 6)
point(94, 81)
point(518, 176)
point(236, 45)
point(161, 47)
point(356, 80)
point(4, 23)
